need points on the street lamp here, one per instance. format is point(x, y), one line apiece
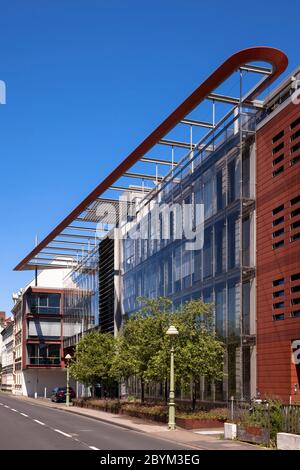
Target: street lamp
point(172, 332)
point(67, 359)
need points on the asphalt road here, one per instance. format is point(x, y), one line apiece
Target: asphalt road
point(30, 426)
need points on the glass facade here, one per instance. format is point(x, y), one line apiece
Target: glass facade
point(81, 296)
point(165, 267)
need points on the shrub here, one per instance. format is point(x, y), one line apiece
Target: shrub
point(220, 414)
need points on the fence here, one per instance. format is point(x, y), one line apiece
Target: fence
point(259, 421)
point(252, 419)
point(291, 418)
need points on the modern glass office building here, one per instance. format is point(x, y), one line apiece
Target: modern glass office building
point(220, 177)
point(204, 157)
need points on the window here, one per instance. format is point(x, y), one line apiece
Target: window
point(295, 123)
point(44, 328)
point(278, 233)
point(295, 160)
point(233, 179)
point(295, 135)
point(278, 159)
point(278, 282)
point(295, 237)
point(295, 200)
point(232, 241)
point(278, 244)
point(44, 303)
point(295, 301)
point(295, 314)
point(278, 316)
point(295, 277)
point(278, 147)
point(279, 293)
point(295, 289)
point(295, 224)
point(278, 209)
point(219, 187)
point(278, 136)
point(278, 221)
point(219, 247)
point(278, 171)
point(295, 212)
point(278, 305)
point(295, 147)
point(207, 253)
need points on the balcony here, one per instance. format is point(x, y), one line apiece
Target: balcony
point(44, 361)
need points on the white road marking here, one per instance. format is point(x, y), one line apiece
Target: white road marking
point(5, 406)
point(23, 414)
point(93, 448)
point(12, 409)
point(61, 432)
point(1, 404)
point(39, 422)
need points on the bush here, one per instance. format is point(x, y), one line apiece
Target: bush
point(220, 414)
point(152, 412)
point(111, 406)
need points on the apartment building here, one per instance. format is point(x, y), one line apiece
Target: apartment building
point(38, 355)
point(236, 156)
point(7, 357)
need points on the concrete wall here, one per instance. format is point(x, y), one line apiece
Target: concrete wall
point(36, 380)
point(287, 441)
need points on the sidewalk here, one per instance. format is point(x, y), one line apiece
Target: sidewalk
point(181, 436)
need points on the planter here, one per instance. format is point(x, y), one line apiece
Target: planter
point(194, 423)
point(145, 416)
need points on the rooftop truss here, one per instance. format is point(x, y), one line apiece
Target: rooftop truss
point(79, 232)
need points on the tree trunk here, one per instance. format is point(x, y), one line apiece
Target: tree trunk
point(142, 391)
point(194, 396)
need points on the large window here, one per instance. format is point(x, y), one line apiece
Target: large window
point(233, 248)
point(207, 253)
point(43, 354)
point(44, 303)
point(233, 310)
point(44, 329)
point(219, 247)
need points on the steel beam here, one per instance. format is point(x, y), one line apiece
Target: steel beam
point(256, 69)
point(158, 161)
point(142, 176)
point(192, 122)
point(176, 143)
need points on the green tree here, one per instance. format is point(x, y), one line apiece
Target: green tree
point(93, 359)
point(198, 352)
point(143, 335)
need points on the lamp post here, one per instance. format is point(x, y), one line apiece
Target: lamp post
point(67, 359)
point(172, 332)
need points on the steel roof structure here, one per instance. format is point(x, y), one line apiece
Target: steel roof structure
point(78, 233)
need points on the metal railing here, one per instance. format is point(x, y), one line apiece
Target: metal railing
point(291, 418)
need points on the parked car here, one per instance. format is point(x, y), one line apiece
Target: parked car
point(60, 394)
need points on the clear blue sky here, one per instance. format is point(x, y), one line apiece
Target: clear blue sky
point(88, 79)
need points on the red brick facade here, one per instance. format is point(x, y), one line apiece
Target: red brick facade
point(278, 253)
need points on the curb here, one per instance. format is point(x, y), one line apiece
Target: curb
point(103, 420)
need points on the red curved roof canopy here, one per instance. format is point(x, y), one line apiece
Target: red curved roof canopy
point(275, 57)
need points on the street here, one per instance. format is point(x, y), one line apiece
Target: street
point(31, 426)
